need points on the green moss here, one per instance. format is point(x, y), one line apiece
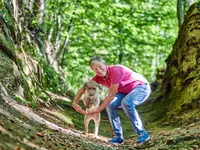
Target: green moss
point(189, 61)
point(191, 91)
point(28, 95)
point(20, 99)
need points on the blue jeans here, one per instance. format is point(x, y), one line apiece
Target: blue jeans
point(128, 102)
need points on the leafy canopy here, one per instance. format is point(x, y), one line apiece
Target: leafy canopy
point(138, 34)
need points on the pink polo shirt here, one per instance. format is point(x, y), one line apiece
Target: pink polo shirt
point(125, 77)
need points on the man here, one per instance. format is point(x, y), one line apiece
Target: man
point(127, 89)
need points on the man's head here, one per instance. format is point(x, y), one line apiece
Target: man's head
point(98, 66)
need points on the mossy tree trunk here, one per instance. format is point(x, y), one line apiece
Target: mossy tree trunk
point(180, 88)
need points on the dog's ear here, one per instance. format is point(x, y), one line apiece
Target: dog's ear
point(98, 85)
point(85, 85)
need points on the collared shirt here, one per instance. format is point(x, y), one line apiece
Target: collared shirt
point(119, 74)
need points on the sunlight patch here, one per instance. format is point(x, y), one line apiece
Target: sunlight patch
point(64, 118)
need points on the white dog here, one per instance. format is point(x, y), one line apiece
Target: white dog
point(91, 101)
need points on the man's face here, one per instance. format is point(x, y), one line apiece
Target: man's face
point(99, 68)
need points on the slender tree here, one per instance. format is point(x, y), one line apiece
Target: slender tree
point(180, 13)
point(69, 31)
point(182, 8)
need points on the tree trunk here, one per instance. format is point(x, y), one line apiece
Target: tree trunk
point(58, 37)
point(36, 7)
point(180, 13)
point(42, 11)
point(15, 9)
point(51, 49)
point(30, 5)
point(52, 55)
point(63, 50)
point(180, 88)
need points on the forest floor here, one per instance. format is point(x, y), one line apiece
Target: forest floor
point(63, 130)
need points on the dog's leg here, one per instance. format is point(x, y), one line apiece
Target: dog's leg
point(97, 122)
point(86, 123)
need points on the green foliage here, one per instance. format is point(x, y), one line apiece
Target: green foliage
point(137, 34)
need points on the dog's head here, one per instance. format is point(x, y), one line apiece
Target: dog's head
point(91, 87)
point(91, 97)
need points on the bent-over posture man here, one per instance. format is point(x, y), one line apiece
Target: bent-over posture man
point(127, 89)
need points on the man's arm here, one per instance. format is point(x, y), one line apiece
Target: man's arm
point(108, 99)
point(77, 99)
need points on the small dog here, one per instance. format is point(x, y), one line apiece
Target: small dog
point(91, 101)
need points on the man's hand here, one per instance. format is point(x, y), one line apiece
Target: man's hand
point(78, 109)
point(94, 112)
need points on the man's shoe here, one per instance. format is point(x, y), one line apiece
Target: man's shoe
point(116, 140)
point(143, 137)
